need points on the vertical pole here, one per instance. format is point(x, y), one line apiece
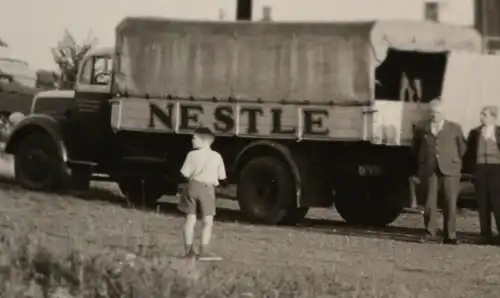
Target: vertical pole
point(222, 14)
point(484, 24)
point(267, 14)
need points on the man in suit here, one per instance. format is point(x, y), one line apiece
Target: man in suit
point(483, 160)
point(439, 148)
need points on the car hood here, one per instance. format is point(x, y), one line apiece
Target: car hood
point(56, 94)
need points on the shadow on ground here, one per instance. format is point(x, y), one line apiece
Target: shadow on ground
point(328, 226)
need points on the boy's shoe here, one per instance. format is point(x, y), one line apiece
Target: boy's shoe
point(451, 241)
point(208, 257)
point(191, 254)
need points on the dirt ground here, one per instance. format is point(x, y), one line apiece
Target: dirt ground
point(390, 259)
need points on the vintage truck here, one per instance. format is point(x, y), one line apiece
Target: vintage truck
point(306, 114)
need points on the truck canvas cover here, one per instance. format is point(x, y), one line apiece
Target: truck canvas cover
point(471, 82)
point(269, 62)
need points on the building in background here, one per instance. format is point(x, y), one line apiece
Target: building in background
point(460, 12)
point(484, 15)
point(487, 22)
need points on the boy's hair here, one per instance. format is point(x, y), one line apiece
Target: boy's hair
point(205, 133)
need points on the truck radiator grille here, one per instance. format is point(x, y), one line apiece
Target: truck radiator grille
point(87, 105)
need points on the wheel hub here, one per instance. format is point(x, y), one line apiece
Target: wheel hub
point(37, 164)
point(266, 191)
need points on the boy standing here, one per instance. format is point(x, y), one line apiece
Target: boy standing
point(203, 168)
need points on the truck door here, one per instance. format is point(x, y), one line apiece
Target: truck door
point(93, 136)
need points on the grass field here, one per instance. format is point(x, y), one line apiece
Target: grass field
point(64, 246)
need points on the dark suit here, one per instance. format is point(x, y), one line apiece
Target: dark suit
point(486, 181)
point(439, 163)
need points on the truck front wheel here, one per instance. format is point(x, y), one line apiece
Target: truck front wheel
point(142, 191)
point(266, 192)
point(371, 201)
point(38, 164)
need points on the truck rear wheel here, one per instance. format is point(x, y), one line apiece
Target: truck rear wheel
point(371, 202)
point(142, 191)
point(266, 192)
point(38, 164)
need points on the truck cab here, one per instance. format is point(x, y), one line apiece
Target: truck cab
point(67, 139)
point(90, 113)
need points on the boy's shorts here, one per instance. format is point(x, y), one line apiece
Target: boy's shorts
point(198, 194)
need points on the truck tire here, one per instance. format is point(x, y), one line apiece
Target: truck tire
point(38, 164)
point(142, 191)
point(371, 203)
point(266, 192)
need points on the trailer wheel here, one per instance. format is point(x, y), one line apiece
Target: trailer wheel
point(38, 164)
point(142, 191)
point(373, 202)
point(266, 192)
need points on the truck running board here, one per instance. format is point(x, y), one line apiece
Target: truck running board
point(146, 159)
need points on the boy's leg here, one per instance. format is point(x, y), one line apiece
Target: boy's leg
point(207, 202)
point(206, 232)
point(188, 205)
point(189, 226)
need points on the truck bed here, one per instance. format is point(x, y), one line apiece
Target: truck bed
point(248, 120)
point(285, 69)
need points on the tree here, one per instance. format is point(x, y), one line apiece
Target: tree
point(3, 43)
point(68, 54)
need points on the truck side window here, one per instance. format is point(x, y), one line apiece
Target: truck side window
point(102, 71)
point(86, 76)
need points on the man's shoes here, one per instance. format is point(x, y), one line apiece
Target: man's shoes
point(488, 240)
point(450, 241)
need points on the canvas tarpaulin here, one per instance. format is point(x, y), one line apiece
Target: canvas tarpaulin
point(294, 62)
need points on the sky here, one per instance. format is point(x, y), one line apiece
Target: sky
point(32, 27)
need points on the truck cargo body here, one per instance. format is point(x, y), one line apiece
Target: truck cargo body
point(293, 80)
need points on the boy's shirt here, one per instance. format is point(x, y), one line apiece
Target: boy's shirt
point(204, 165)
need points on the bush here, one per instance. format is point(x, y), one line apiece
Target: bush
point(28, 268)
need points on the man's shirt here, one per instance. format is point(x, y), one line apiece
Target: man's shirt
point(436, 127)
point(204, 165)
point(488, 132)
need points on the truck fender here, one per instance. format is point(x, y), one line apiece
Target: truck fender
point(260, 148)
point(37, 123)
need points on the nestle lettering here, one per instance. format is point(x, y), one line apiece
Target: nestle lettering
point(241, 119)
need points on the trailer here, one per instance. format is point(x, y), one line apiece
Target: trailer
point(306, 114)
